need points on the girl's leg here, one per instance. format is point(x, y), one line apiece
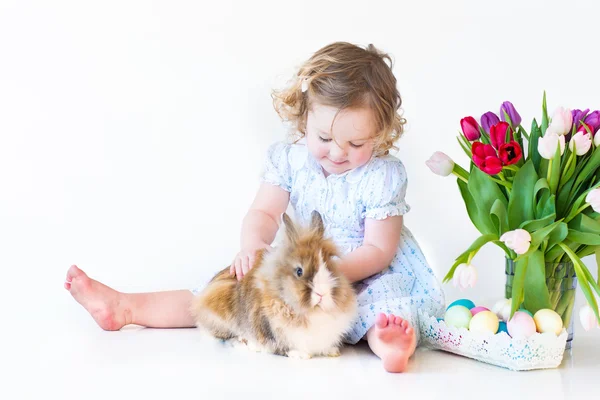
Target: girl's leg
point(393, 340)
point(112, 310)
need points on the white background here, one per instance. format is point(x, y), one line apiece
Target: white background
point(132, 133)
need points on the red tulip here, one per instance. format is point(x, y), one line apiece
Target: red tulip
point(510, 153)
point(470, 128)
point(484, 156)
point(498, 134)
point(491, 165)
point(481, 151)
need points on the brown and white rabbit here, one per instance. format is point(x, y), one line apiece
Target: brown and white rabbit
point(293, 302)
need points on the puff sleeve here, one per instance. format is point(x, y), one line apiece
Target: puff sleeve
point(384, 194)
point(277, 170)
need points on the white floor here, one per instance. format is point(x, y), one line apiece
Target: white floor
point(64, 353)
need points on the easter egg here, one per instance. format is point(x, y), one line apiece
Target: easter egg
point(502, 309)
point(478, 309)
point(525, 311)
point(458, 316)
point(462, 302)
point(521, 324)
point(502, 327)
point(547, 320)
point(484, 322)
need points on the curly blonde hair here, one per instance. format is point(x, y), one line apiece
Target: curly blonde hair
point(345, 76)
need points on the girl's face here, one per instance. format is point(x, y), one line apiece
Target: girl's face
point(346, 145)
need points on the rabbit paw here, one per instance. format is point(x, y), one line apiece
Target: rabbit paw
point(298, 354)
point(333, 352)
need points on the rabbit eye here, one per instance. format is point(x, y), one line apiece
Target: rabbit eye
point(299, 272)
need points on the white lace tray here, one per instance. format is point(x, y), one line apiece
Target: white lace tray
point(539, 351)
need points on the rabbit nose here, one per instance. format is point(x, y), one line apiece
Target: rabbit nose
point(320, 296)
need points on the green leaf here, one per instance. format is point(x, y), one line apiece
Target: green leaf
point(554, 171)
point(583, 282)
point(475, 246)
point(484, 191)
point(568, 171)
point(591, 239)
point(563, 198)
point(482, 222)
point(583, 223)
point(534, 137)
point(539, 236)
point(534, 225)
point(548, 207)
point(587, 172)
point(544, 115)
point(518, 284)
point(520, 204)
point(598, 263)
point(499, 216)
point(535, 289)
point(558, 234)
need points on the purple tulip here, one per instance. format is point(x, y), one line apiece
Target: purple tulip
point(593, 121)
point(579, 116)
point(489, 119)
point(515, 118)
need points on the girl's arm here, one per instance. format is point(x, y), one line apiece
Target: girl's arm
point(378, 249)
point(259, 226)
point(261, 222)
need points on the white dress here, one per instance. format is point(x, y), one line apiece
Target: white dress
point(375, 190)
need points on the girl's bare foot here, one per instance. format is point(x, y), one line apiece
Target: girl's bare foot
point(105, 305)
point(393, 340)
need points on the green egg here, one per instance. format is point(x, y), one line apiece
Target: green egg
point(458, 316)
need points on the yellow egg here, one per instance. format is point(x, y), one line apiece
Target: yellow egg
point(547, 320)
point(484, 322)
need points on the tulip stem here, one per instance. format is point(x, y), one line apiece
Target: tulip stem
point(504, 183)
point(461, 178)
point(511, 168)
point(549, 169)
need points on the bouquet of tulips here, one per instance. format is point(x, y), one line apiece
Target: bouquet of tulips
point(536, 195)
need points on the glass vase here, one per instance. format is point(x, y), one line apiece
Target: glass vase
point(562, 284)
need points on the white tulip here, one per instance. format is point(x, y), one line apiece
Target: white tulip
point(582, 142)
point(593, 199)
point(465, 275)
point(440, 164)
point(587, 317)
point(518, 240)
point(562, 121)
point(502, 309)
point(547, 145)
point(597, 139)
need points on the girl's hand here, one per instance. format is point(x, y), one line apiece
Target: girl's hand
point(244, 260)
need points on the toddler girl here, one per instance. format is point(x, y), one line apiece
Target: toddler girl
point(343, 106)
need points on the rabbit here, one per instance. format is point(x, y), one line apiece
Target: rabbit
point(293, 302)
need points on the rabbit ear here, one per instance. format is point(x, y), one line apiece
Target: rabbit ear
point(316, 223)
point(290, 230)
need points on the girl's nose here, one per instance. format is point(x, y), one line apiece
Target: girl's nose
point(336, 151)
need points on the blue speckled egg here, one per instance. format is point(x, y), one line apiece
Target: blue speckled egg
point(462, 302)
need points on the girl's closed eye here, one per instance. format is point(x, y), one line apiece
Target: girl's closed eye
point(325, 140)
point(357, 146)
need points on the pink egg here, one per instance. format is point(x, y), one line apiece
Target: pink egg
point(521, 324)
point(477, 309)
